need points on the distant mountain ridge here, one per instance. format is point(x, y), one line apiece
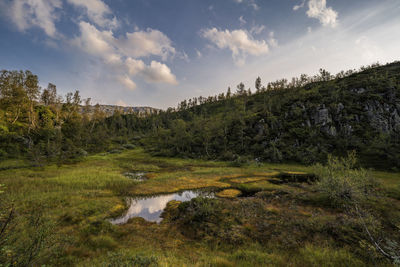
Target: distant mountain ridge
point(109, 110)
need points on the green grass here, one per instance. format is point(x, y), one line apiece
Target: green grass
point(79, 198)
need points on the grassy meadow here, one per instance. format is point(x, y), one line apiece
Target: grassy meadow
point(71, 205)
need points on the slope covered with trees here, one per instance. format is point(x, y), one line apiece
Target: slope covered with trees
point(303, 120)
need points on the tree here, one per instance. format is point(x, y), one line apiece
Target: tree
point(49, 95)
point(325, 75)
point(240, 89)
point(228, 93)
point(32, 90)
point(258, 84)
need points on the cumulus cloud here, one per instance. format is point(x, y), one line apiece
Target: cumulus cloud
point(26, 14)
point(94, 41)
point(146, 43)
point(97, 12)
point(317, 9)
point(326, 15)
point(123, 59)
point(127, 82)
point(159, 73)
point(134, 66)
point(240, 42)
point(156, 72)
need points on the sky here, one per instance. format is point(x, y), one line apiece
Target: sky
point(159, 52)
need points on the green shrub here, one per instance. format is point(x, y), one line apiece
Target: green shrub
point(253, 257)
point(103, 242)
point(129, 146)
point(209, 219)
point(118, 259)
point(115, 151)
point(3, 154)
point(342, 183)
point(316, 256)
point(239, 161)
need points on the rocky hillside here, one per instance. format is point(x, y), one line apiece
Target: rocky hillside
point(358, 111)
point(109, 110)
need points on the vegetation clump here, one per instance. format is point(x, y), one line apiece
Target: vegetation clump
point(342, 182)
point(229, 193)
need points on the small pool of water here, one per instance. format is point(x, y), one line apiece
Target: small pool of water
point(150, 208)
point(136, 176)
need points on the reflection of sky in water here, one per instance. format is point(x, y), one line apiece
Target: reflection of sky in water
point(150, 208)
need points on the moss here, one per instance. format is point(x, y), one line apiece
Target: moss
point(229, 193)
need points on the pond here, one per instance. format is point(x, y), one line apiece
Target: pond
point(150, 208)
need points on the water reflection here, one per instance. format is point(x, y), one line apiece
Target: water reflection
point(150, 208)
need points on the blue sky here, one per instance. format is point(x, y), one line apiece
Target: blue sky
point(158, 52)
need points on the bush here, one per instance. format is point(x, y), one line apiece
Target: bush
point(240, 161)
point(209, 220)
point(119, 259)
point(317, 256)
point(3, 154)
point(115, 151)
point(81, 153)
point(103, 242)
point(342, 182)
point(129, 146)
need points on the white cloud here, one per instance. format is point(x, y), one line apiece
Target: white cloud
point(127, 82)
point(242, 20)
point(26, 14)
point(134, 66)
point(326, 15)
point(297, 7)
point(97, 11)
point(122, 59)
point(199, 54)
point(272, 41)
point(240, 42)
point(257, 29)
point(95, 42)
point(158, 73)
point(146, 43)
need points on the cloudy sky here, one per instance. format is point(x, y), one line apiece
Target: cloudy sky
point(158, 52)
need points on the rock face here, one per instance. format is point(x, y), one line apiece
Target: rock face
point(109, 110)
point(334, 119)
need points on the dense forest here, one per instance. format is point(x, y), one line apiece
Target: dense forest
point(301, 120)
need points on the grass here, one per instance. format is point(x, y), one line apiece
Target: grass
point(229, 193)
point(79, 198)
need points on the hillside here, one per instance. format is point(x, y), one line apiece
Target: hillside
point(287, 122)
point(301, 121)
